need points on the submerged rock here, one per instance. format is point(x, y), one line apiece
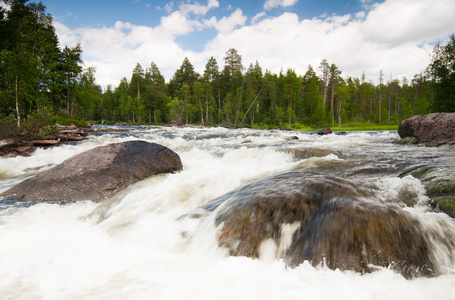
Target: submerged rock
point(325, 131)
point(431, 129)
point(323, 219)
point(439, 183)
point(98, 173)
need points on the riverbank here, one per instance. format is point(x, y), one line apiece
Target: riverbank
point(25, 146)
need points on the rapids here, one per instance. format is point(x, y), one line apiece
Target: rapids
point(135, 245)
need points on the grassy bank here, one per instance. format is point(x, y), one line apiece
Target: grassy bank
point(36, 126)
point(347, 127)
point(368, 127)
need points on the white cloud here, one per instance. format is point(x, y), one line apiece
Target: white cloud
point(257, 17)
point(169, 7)
point(395, 36)
point(269, 4)
point(230, 23)
point(198, 9)
point(378, 39)
point(398, 21)
point(175, 24)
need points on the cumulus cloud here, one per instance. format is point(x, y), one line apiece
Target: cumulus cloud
point(227, 24)
point(257, 17)
point(197, 8)
point(269, 4)
point(395, 36)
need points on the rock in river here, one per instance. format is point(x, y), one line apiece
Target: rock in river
point(339, 222)
point(98, 173)
point(431, 129)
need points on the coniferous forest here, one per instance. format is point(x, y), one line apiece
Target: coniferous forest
point(40, 79)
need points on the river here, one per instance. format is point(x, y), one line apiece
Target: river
point(136, 246)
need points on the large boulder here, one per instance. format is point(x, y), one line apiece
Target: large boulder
point(98, 173)
point(431, 129)
point(325, 131)
point(324, 219)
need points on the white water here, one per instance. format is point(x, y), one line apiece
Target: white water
point(133, 247)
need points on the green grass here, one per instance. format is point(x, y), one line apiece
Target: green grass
point(67, 120)
point(367, 127)
point(347, 127)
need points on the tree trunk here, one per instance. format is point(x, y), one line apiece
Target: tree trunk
point(202, 113)
point(325, 94)
point(339, 113)
point(380, 97)
point(17, 103)
point(139, 103)
point(389, 100)
point(69, 105)
point(396, 101)
point(331, 103)
point(219, 106)
point(207, 110)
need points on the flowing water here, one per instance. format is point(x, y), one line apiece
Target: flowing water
point(136, 246)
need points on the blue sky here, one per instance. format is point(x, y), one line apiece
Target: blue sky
point(95, 13)
point(359, 36)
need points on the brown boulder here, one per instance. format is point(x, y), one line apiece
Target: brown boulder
point(98, 173)
point(431, 129)
point(325, 131)
point(325, 219)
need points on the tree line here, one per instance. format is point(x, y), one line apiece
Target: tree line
point(38, 75)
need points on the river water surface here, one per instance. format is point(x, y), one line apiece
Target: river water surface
point(135, 246)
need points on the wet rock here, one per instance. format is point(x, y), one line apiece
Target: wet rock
point(439, 183)
point(431, 129)
point(325, 131)
point(292, 138)
point(286, 129)
point(98, 173)
point(341, 133)
point(323, 219)
point(406, 141)
point(305, 153)
point(445, 205)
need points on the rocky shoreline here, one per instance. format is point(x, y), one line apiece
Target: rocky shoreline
point(18, 146)
point(431, 130)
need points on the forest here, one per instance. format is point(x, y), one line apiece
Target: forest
point(40, 79)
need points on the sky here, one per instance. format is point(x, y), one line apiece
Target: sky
point(359, 36)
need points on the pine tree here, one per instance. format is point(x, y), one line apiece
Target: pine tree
point(442, 72)
point(233, 60)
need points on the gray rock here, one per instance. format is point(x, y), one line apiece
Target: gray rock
point(325, 131)
point(98, 173)
point(431, 129)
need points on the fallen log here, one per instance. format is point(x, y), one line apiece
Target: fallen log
point(45, 142)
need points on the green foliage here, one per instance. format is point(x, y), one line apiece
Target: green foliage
point(36, 75)
point(300, 127)
point(35, 126)
point(65, 120)
point(364, 127)
point(442, 72)
point(34, 71)
point(9, 128)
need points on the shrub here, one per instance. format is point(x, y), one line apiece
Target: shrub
point(8, 128)
point(65, 120)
